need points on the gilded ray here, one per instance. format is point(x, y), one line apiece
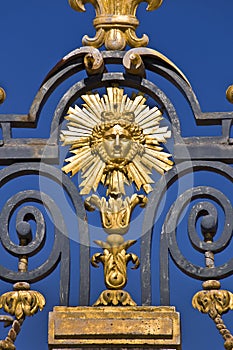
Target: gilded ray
point(123, 103)
point(90, 182)
point(79, 131)
point(90, 118)
point(78, 116)
point(81, 142)
point(78, 153)
point(77, 164)
point(136, 176)
point(147, 113)
point(140, 109)
point(160, 155)
point(88, 171)
point(144, 170)
point(80, 123)
point(138, 101)
point(73, 134)
point(150, 164)
point(91, 106)
point(106, 100)
point(143, 174)
point(68, 140)
point(91, 115)
point(156, 162)
point(81, 127)
point(151, 121)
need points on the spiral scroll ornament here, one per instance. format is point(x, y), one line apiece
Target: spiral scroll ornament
point(208, 213)
point(212, 300)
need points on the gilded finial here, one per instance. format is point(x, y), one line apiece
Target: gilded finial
point(115, 22)
point(2, 95)
point(229, 93)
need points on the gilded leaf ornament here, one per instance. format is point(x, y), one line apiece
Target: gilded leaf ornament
point(116, 141)
point(22, 302)
point(115, 260)
point(215, 302)
point(219, 300)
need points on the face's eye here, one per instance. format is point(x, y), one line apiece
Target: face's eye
point(123, 138)
point(110, 137)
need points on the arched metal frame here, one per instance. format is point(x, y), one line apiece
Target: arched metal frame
point(29, 156)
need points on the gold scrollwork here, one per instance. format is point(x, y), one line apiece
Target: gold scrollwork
point(229, 93)
point(20, 303)
point(213, 299)
point(208, 300)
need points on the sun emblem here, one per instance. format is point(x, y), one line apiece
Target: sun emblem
point(115, 140)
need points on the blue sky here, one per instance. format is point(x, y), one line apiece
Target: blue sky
point(195, 35)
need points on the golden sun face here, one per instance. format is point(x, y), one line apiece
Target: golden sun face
point(115, 140)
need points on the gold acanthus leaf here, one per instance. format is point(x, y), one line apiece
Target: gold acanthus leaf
point(22, 303)
point(220, 300)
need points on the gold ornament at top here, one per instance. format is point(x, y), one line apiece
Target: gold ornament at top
point(115, 22)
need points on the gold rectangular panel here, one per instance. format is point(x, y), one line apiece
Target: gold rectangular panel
point(109, 327)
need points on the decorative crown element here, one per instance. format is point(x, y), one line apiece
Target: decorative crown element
point(121, 116)
point(115, 22)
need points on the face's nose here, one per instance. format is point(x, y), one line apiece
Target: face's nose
point(117, 145)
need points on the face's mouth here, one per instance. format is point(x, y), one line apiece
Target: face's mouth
point(117, 152)
point(118, 160)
